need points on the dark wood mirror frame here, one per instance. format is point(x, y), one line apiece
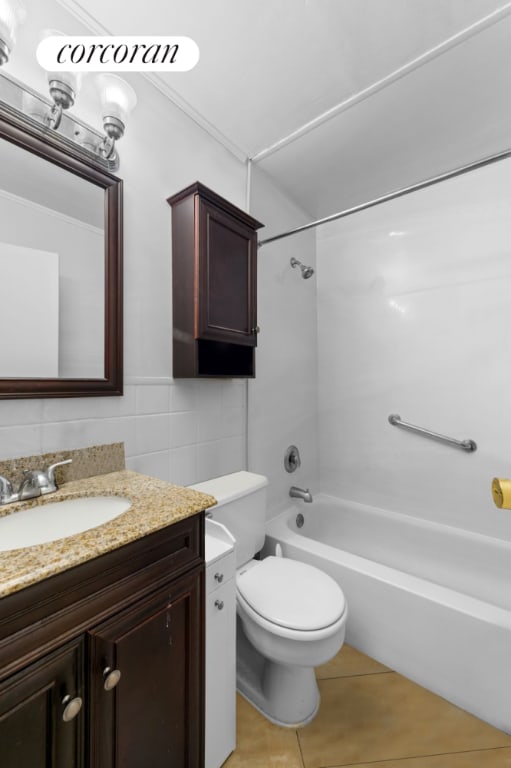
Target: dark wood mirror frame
point(59, 150)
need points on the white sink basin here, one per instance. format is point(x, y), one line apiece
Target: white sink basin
point(58, 519)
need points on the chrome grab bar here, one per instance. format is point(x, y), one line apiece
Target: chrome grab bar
point(466, 445)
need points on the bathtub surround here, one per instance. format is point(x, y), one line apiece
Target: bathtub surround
point(413, 313)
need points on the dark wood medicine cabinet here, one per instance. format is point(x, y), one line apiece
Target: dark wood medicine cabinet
point(214, 286)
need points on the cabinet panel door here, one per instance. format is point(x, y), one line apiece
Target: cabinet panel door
point(33, 733)
point(153, 715)
point(220, 673)
point(227, 277)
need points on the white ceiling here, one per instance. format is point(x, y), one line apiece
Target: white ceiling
point(360, 96)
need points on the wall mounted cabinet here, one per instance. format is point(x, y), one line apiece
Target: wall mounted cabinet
point(214, 278)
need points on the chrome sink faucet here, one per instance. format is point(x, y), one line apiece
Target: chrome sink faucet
point(37, 482)
point(300, 493)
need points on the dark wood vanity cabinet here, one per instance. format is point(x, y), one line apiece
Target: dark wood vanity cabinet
point(138, 611)
point(153, 711)
point(34, 727)
point(214, 274)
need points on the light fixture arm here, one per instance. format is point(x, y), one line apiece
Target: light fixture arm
point(114, 129)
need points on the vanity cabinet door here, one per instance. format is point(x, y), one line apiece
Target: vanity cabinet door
point(41, 717)
point(153, 715)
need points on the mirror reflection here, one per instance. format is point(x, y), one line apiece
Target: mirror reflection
point(52, 269)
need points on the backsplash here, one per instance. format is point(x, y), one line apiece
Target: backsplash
point(87, 462)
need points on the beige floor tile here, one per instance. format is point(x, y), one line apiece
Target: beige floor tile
point(262, 744)
point(490, 758)
point(387, 717)
point(349, 662)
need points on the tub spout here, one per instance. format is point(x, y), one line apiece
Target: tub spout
point(300, 493)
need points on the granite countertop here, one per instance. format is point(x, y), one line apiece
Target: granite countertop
point(155, 504)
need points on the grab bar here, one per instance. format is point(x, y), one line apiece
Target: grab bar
point(466, 445)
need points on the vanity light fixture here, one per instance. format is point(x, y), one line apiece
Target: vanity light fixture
point(12, 14)
point(118, 100)
point(63, 86)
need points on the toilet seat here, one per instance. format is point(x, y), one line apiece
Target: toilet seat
point(290, 596)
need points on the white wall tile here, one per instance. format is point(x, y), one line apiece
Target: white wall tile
point(183, 428)
point(152, 433)
point(20, 441)
point(183, 465)
point(13, 412)
point(153, 464)
point(183, 396)
point(152, 399)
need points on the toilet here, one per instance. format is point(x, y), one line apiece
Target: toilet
point(291, 616)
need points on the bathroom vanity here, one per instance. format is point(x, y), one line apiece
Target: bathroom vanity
point(102, 663)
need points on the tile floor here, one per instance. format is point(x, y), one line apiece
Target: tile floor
point(371, 717)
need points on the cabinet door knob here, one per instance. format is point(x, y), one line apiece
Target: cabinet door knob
point(256, 329)
point(110, 678)
point(219, 577)
point(219, 604)
point(71, 707)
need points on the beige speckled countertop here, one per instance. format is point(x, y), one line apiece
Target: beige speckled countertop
point(155, 504)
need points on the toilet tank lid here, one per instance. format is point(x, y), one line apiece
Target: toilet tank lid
point(229, 487)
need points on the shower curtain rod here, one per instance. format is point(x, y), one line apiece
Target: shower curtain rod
point(391, 196)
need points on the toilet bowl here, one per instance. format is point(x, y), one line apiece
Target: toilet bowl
point(291, 616)
point(294, 618)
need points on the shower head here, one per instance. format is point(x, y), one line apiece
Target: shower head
point(306, 271)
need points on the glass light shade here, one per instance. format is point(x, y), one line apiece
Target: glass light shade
point(118, 99)
point(72, 79)
point(12, 14)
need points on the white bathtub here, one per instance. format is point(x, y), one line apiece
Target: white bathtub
point(430, 601)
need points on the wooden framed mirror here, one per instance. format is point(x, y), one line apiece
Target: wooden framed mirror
point(60, 266)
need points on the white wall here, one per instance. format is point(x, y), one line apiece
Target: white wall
point(181, 431)
point(282, 397)
point(414, 318)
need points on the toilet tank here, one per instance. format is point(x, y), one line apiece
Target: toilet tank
point(241, 507)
